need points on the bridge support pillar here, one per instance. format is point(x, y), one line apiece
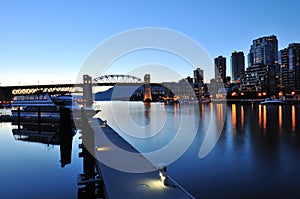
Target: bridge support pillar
point(87, 91)
point(147, 89)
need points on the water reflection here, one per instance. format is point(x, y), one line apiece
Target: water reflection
point(32, 157)
point(233, 117)
point(147, 111)
point(48, 134)
point(262, 117)
point(237, 117)
point(216, 124)
point(293, 118)
point(280, 116)
point(242, 116)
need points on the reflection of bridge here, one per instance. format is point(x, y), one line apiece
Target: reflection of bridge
point(7, 92)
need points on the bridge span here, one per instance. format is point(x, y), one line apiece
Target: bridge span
point(7, 92)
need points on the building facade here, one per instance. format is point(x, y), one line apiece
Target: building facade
point(289, 61)
point(220, 68)
point(263, 51)
point(263, 73)
point(237, 66)
point(198, 76)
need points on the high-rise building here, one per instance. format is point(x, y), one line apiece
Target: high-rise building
point(263, 71)
point(237, 66)
point(220, 68)
point(289, 61)
point(264, 51)
point(198, 75)
point(287, 82)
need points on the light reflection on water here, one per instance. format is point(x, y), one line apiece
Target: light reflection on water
point(256, 156)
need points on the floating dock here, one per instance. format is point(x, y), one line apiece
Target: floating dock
point(120, 184)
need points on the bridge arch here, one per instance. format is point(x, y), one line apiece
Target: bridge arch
point(117, 79)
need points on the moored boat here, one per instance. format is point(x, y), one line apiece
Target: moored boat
point(40, 106)
point(273, 101)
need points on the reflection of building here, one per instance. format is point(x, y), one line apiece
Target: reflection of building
point(237, 65)
point(147, 93)
point(220, 68)
point(289, 61)
point(263, 71)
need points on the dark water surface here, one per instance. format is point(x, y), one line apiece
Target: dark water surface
point(256, 156)
point(30, 168)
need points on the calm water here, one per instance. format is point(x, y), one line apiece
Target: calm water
point(31, 169)
point(256, 156)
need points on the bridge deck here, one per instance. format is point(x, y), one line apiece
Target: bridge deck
point(120, 184)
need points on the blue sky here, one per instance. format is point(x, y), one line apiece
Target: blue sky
point(47, 41)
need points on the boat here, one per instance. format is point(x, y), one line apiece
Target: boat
point(273, 101)
point(40, 106)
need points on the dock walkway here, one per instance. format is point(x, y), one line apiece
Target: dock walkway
point(120, 184)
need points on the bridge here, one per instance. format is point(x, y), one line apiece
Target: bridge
point(115, 79)
point(7, 92)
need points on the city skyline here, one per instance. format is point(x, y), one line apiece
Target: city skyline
point(46, 42)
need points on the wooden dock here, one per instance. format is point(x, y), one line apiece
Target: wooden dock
point(121, 184)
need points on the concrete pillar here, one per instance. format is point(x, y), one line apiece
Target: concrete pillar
point(147, 89)
point(87, 91)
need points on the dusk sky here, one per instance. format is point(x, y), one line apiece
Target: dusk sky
point(47, 41)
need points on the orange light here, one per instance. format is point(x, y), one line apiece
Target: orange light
point(293, 117)
point(280, 94)
point(293, 93)
point(233, 94)
point(264, 93)
point(280, 116)
point(259, 94)
point(233, 117)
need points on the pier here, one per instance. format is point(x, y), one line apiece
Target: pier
point(120, 184)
